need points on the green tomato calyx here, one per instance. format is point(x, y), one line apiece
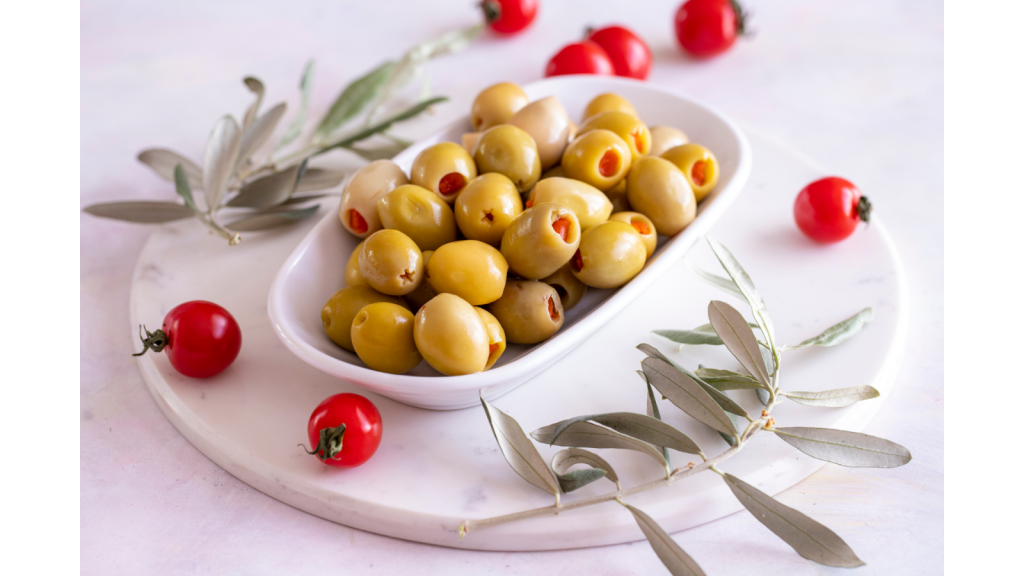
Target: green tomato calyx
point(330, 443)
point(155, 341)
point(863, 209)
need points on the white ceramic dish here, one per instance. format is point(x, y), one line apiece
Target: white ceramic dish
point(315, 270)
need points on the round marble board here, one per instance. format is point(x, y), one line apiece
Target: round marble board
point(435, 469)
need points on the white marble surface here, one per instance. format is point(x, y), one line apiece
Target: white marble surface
point(857, 86)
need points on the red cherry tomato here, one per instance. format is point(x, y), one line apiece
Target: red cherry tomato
point(509, 16)
point(345, 430)
point(201, 339)
point(629, 55)
point(706, 28)
point(580, 58)
point(828, 210)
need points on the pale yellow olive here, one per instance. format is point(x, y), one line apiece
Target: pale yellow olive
point(599, 158)
point(352, 275)
point(547, 122)
point(665, 137)
point(541, 240)
point(338, 312)
point(609, 255)
point(424, 293)
point(470, 269)
point(418, 213)
point(496, 105)
point(382, 337)
point(495, 337)
point(617, 196)
point(626, 126)
point(660, 191)
point(469, 140)
point(451, 336)
point(553, 172)
point(606, 103)
point(391, 263)
point(486, 207)
point(569, 288)
point(643, 226)
point(358, 208)
point(444, 168)
point(510, 151)
point(589, 204)
point(698, 165)
point(574, 128)
point(529, 311)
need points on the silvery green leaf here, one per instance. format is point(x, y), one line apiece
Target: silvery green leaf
point(834, 398)
point(719, 398)
point(354, 99)
point(267, 191)
point(163, 161)
point(851, 449)
point(384, 124)
point(572, 480)
point(763, 396)
point(219, 159)
point(256, 87)
point(692, 337)
point(671, 555)
point(840, 332)
point(738, 338)
point(271, 219)
point(385, 152)
point(746, 287)
point(731, 440)
point(306, 91)
point(319, 179)
point(588, 435)
point(183, 188)
point(141, 211)
point(724, 284)
point(809, 538)
point(654, 412)
point(257, 134)
point(637, 426)
point(687, 394)
point(727, 379)
point(520, 453)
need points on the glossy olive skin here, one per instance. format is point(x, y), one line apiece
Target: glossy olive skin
point(617, 196)
point(338, 312)
point(469, 140)
point(644, 227)
point(547, 122)
point(391, 263)
point(470, 269)
point(553, 172)
point(418, 213)
point(495, 337)
point(509, 150)
point(362, 192)
point(382, 338)
point(702, 178)
point(496, 104)
point(353, 277)
point(607, 103)
point(586, 158)
point(664, 138)
point(590, 205)
point(533, 247)
point(424, 293)
point(569, 288)
point(486, 207)
point(626, 126)
point(609, 255)
point(444, 168)
point(660, 191)
point(529, 311)
point(451, 336)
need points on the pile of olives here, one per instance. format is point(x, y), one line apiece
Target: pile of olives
point(492, 241)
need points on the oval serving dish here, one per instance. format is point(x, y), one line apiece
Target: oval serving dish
point(315, 270)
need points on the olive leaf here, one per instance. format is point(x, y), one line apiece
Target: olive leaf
point(721, 399)
point(143, 212)
point(306, 90)
point(163, 161)
point(654, 412)
point(304, 198)
point(723, 380)
point(182, 187)
point(385, 152)
point(257, 134)
point(520, 453)
point(219, 159)
point(354, 99)
point(746, 287)
point(271, 219)
point(636, 426)
point(851, 449)
point(687, 394)
point(575, 479)
point(267, 191)
point(724, 284)
point(383, 125)
point(838, 333)
point(808, 537)
point(731, 440)
point(763, 396)
point(671, 555)
point(319, 179)
point(256, 87)
point(737, 336)
point(588, 435)
point(837, 398)
point(692, 337)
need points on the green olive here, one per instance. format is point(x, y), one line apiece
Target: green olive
point(469, 140)
point(643, 226)
point(451, 336)
point(569, 288)
point(664, 138)
point(444, 168)
point(509, 150)
point(617, 196)
point(338, 312)
point(626, 126)
point(660, 191)
point(358, 208)
point(424, 293)
point(541, 240)
point(382, 337)
point(589, 204)
point(470, 269)
point(699, 166)
point(606, 103)
point(554, 172)
point(353, 277)
point(547, 122)
point(486, 207)
point(599, 158)
point(529, 311)
point(391, 263)
point(609, 255)
point(495, 337)
point(420, 214)
point(496, 105)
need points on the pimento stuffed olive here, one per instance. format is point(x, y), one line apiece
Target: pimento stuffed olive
point(510, 151)
point(589, 204)
point(600, 158)
point(664, 138)
point(570, 290)
point(419, 214)
point(698, 165)
point(382, 338)
point(338, 312)
point(496, 104)
point(391, 263)
point(541, 240)
point(496, 342)
point(353, 277)
point(451, 336)
point(609, 255)
point(607, 102)
point(444, 168)
point(643, 226)
point(424, 293)
point(660, 191)
point(547, 122)
point(625, 126)
point(529, 311)
point(486, 207)
point(470, 269)
point(358, 208)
